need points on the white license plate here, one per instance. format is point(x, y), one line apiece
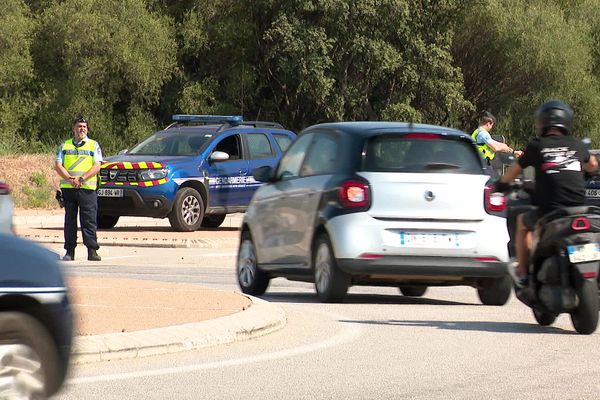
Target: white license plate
point(442, 240)
point(592, 192)
point(584, 252)
point(104, 192)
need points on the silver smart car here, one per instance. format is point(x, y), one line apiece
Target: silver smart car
point(377, 203)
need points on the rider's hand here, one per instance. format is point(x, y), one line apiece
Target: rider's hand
point(517, 153)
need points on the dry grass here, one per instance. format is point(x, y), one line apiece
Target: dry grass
point(32, 179)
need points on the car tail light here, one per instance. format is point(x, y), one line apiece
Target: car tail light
point(4, 188)
point(493, 201)
point(580, 224)
point(355, 194)
point(589, 275)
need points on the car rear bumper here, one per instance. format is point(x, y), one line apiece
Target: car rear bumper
point(355, 235)
point(133, 204)
point(423, 268)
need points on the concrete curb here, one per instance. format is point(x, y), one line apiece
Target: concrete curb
point(259, 319)
point(142, 242)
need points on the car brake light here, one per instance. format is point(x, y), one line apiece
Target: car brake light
point(494, 201)
point(580, 224)
point(426, 136)
point(589, 275)
point(486, 259)
point(354, 194)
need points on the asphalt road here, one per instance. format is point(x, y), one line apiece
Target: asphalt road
point(376, 345)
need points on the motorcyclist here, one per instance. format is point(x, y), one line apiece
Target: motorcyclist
point(559, 160)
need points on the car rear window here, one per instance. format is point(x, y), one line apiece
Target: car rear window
point(421, 153)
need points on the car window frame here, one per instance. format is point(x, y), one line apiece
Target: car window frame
point(315, 143)
point(300, 139)
point(270, 141)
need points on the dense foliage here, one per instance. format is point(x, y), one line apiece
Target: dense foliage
point(129, 64)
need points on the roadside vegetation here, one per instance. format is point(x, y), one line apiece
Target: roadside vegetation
point(128, 65)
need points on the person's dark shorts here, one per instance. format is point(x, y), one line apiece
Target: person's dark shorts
point(530, 218)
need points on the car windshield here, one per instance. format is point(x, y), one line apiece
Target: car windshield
point(165, 143)
point(421, 153)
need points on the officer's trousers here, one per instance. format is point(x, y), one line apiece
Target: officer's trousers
point(86, 202)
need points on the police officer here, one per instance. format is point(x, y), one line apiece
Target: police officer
point(486, 145)
point(78, 162)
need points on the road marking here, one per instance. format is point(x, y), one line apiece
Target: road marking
point(347, 334)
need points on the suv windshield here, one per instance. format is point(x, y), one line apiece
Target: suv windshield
point(421, 153)
point(165, 143)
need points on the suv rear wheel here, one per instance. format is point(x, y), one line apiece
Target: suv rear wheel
point(213, 220)
point(30, 364)
point(331, 283)
point(188, 210)
point(107, 221)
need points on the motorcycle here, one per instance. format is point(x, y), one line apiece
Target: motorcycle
point(564, 262)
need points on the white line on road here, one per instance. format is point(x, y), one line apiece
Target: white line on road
point(347, 334)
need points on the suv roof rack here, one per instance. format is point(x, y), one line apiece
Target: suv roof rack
point(179, 119)
point(262, 124)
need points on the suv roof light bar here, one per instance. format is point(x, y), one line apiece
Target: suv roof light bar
point(215, 119)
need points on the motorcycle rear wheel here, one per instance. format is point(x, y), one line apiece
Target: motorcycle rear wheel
point(585, 316)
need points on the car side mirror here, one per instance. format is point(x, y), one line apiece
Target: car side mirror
point(123, 152)
point(264, 174)
point(219, 156)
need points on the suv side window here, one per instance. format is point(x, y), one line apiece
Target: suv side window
point(232, 146)
point(283, 142)
point(321, 158)
point(289, 167)
point(259, 146)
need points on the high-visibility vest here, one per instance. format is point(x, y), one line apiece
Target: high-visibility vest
point(485, 150)
point(77, 161)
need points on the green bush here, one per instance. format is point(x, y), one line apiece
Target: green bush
point(38, 193)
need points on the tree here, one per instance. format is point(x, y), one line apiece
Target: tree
point(107, 59)
point(515, 54)
point(16, 72)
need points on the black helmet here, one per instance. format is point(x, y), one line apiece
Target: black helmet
point(554, 114)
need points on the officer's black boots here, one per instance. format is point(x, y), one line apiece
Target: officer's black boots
point(70, 256)
point(93, 256)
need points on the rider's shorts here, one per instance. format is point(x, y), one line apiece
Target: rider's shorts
point(530, 218)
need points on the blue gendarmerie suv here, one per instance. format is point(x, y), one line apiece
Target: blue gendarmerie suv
point(36, 322)
point(195, 171)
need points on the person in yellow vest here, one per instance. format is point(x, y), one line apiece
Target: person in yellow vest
point(488, 147)
point(77, 163)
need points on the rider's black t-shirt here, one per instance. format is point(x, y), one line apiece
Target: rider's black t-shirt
point(559, 176)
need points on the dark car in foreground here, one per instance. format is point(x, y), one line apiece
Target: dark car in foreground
point(36, 322)
point(376, 203)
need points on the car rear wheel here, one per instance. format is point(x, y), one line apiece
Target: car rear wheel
point(188, 210)
point(30, 367)
point(331, 283)
point(495, 292)
point(413, 291)
point(107, 221)
point(251, 279)
point(213, 221)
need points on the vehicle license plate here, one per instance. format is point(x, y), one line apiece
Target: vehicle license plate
point(431, 239)
point(104, 192)
point(584, 252)
point(592, 192)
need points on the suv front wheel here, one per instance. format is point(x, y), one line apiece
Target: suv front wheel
point(188, 210)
